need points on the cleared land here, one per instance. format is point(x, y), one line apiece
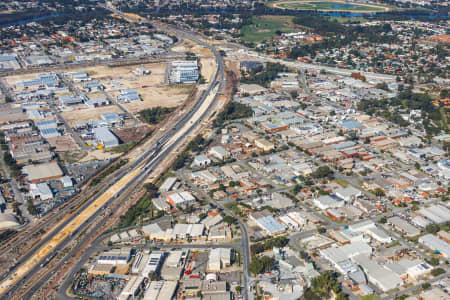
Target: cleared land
point(88, 115)
point(99, 155)
point(332, 5)
point(167, 96)
point(266, 27)
point(63, 143)
point(108, 76)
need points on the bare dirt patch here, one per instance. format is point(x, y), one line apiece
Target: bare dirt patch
point(88, 114)
point(167, 96)
point(128, 135)
point(63, 143)
point(99, 155)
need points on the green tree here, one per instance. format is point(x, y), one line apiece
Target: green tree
point(321, 172)
point(432, 228)
point(437, 271)
point(31, 208)
point(261, 265)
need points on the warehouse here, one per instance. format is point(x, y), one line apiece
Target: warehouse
point(381, 277)
point(184, 231)
point(219, 152)
point(168, 184)
point(182, 199)
point(40, 190)
point(160, 290)
point(132, 288)
point(219, 258)
point(340, 256)
point(268, 224)
point(115, 257)
point(200, 161)
point(153, 264)
point(348, 193)
point(7, 221)
point(112, 119)
point(104, 136)
point(325, 202)
point(50, 133)
point(160, 204)
point(403, 226)
point(437, 213)
point(128, 95)
point(96, 102)
point(46, 124)
point(436, 244)
point(42, 172)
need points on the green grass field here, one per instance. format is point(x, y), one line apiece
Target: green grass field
point(265, 28)
point(328, 6)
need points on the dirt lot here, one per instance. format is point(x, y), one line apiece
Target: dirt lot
point(128, 135)
point(63, 143)
point(167, 96)
point(125, 75)
point(11, 80)
point(88, 114)
point(208, 68)
point(98, 155)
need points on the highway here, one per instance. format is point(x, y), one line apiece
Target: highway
point(137, 171)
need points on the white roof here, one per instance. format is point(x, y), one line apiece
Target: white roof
point(436, 213)
point(382, 277)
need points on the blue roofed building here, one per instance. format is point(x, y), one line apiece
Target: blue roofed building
point(112, 118)
point(104, 136)
point(267, 223)
point(349, 124)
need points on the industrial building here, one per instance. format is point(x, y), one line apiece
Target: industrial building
point(115, 257)
point(268, 224)
point(132, 288)
point(184, 71)
point(182, 199)
point(7, 221)
point(436, 244)
point(104, 136)
point(112, 119)
point(168, 184)
point(438, 214)
point(219, 258)
point(40, 190)
point(153, 263)
point(219, 152)
point(128, 95)
point(160, 290)
point(42, 172)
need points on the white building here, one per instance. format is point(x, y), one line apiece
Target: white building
point(182, 199)
point(219, 152)
point(41, 190)
point(218, 259)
